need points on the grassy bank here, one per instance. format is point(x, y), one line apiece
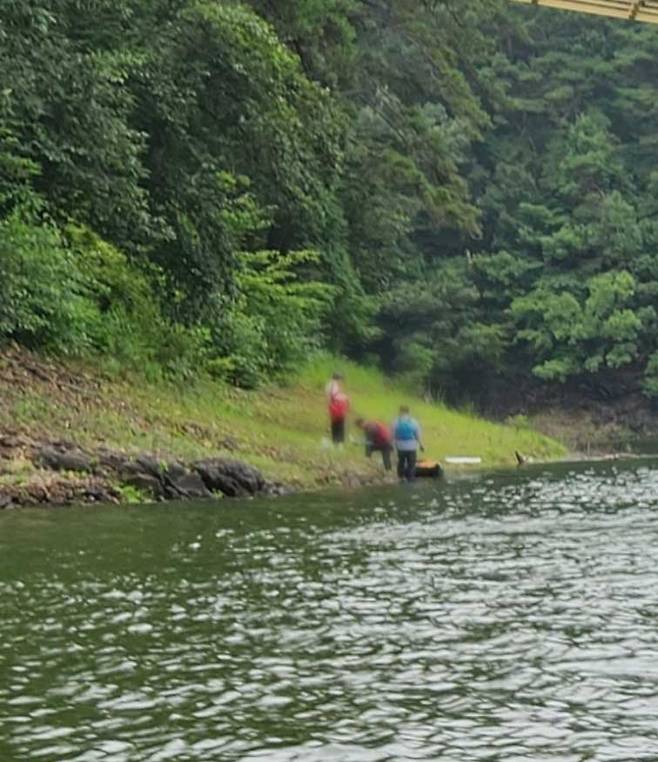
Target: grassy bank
point(281, 430)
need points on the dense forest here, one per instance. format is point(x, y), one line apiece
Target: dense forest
point(465, 193)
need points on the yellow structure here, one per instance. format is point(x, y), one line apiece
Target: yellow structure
point(633, 10)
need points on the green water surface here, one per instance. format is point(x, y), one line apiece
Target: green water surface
point(507, 616)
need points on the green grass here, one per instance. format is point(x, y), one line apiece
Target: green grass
point(281, 429)
point(446, 432)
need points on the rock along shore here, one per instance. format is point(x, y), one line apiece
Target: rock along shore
point(59, 472)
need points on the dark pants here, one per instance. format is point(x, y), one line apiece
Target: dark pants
point(407, 464)
point(385, 450)
point(338, 431)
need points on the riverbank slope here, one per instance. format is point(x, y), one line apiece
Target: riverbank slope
point(282, 431)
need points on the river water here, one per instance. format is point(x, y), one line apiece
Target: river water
point(504, 616)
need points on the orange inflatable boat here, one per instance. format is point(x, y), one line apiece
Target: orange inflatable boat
point(430, 469)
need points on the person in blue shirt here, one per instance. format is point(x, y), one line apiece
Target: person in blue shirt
point(406, 433)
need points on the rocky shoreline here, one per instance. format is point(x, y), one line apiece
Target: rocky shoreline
point(58, 472)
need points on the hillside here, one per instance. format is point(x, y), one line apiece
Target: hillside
point(461, 194)
point(280, 430)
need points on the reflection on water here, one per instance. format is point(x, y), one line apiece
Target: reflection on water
point(506, 617)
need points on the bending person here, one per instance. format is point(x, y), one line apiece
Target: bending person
point(378, 439)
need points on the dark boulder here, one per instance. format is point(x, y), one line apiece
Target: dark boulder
point(130, 468)
point(180, 483)
point(97, 493)
point(111, 460)
point(175, 471)
point(66, 460)
point(146, 483)
point(190, 486)
point(232, 478)
point(151, 466)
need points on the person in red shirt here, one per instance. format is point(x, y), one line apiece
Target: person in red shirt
point(378, 439)
point(339, 406)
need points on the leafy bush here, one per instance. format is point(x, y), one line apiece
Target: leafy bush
point(572, 335)
point(75, 294)
point(42, 302)
point(129, 325)
point(275, 320)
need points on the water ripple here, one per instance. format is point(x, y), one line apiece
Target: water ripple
point(507, 617)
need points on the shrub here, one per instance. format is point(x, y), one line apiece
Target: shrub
point(274, 322)
point(73, 293)
point(42, 302)
point(129, 324)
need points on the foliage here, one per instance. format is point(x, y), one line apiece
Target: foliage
point(275, 321)
point(475, 180)
point(567, 267)
point(243, 148)
point(75, 294)
point(41, 291)
point(66, 103)
point(572, 336)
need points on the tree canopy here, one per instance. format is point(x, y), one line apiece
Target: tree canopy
point(463, 194)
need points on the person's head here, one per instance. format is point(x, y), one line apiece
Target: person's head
point(404, 410)
point(337, 376)
point(360, 423)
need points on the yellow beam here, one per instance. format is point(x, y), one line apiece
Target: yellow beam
point(633, 10)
